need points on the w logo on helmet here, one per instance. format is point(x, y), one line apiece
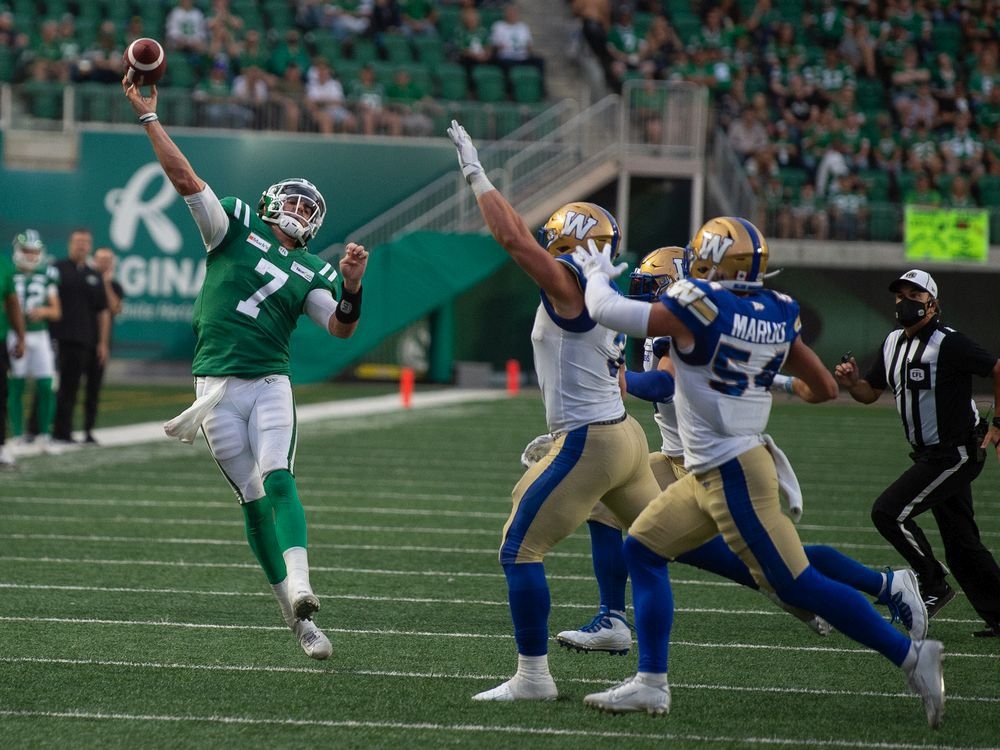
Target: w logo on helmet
point(578, 225)
point(714, 246)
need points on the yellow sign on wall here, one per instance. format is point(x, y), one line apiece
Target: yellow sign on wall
point(947, 234)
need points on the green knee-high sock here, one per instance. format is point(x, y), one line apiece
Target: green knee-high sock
point(46, 405)
point(15, 405)
point(289, 517)
point(258, 519)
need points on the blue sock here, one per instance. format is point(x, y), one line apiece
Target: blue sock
point(838, 566)
point(716, 557)
point(847, 610)
point(609, 564)
point(653, 602)
point(528, 594)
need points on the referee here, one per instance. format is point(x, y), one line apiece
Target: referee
point(929, 367)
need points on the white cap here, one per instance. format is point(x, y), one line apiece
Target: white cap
point(918, 278)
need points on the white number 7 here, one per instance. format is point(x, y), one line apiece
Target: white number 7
point(251, 305)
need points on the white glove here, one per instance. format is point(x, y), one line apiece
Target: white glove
point(536, 450)
point(468, 159)
point(594, 261)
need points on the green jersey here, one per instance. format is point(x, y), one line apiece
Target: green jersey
point(34, 288)
point(253, 294)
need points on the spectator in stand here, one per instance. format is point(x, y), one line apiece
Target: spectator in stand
point(248, 52)
point(101, 62)
point(849, 209)
point(46, 57)
point(325, 100)
point(833, 76)
point(859, 49)
point(369, 98)
point(218, 107)
point(659, 47)
point(290, 48)
point(887, 152)
point(289, 94)
point(187, 31)
point(923, 193)
point(748, 135)
point(386, 18)
point(962, 150)
point(807, 217)
point(921, 107)
point(623, 45)
point(135, 29)
point(959, 194)
point(984, 77)
point(511, 40)
point(419, 18)
point(922, 150)
point(763, 23)
point(832, 166)
point(471, 41)
point(410, 103)
point(224, 30)
point(252, 92)
point(347, 18)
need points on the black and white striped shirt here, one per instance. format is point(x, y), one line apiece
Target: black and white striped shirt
point(930, 376)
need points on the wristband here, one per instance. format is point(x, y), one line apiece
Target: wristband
point(996, 422)
point(148, 117)
point(480, 183)
point(784, 383)
point(349, 308)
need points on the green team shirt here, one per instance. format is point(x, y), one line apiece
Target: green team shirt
point(253, 294)
point(33, 290)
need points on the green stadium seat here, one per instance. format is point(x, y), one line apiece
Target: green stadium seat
point(490, 83)
point(180, 73)
point(452, 83)
point(8, 65)
point(526, 84)
point(989, 192)
point(363, 50)
point(947, 37)
point(884, 222)
point(93, 102)
point(177, 107)
point(876, 185)
point(793, 178)
point(396, 49)
point(44, 99)
point(430, 51)
point(449, 19)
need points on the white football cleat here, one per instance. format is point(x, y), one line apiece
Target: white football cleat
point(313, 640)
point(632, 696)
point(815, 623)
point(608, 632)
point(520, 688)
point(902, 597)
point(926, 678)
point(7, 460)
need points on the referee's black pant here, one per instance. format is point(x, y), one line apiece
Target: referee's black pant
point(940, 480)
point(74, 362)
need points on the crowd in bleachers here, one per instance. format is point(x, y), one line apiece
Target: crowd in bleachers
point(839, 111)
point(355, 66)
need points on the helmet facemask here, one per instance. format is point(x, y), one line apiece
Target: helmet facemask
point(655, 272)
point(296, 207)
point(29, 250)
point(575, 223)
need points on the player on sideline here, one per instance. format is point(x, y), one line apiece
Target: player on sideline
point(729, 338)
point(259, 279)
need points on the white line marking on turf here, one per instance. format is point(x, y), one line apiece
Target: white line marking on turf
point(659, 737)
point(428, 634)
point(116, 663)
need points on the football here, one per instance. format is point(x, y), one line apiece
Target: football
point(144, 62)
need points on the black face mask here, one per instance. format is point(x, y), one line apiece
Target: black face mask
point(910, 311)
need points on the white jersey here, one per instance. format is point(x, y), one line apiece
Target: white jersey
point(722, 383)
point(577, 363)
point(664, 412)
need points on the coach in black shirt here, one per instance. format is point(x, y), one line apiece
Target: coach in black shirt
point(82, 332)
point(929, 367)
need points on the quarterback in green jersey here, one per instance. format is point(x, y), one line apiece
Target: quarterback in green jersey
point(259, 279)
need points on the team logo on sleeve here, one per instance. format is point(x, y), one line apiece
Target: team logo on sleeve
point(302, 271)
point(258, 242)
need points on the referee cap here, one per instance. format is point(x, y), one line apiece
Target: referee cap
point(918, 278)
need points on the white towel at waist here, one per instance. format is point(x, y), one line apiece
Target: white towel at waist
point(185, 425)
point(788, 483)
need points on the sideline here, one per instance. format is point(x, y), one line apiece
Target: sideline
point(148, 432)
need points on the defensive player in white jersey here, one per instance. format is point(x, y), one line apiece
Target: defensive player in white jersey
point(729, 337)
point(259, 279)
point(599, 453)
point(37, 286)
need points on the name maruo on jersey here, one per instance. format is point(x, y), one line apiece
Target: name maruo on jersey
point(757, 331)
